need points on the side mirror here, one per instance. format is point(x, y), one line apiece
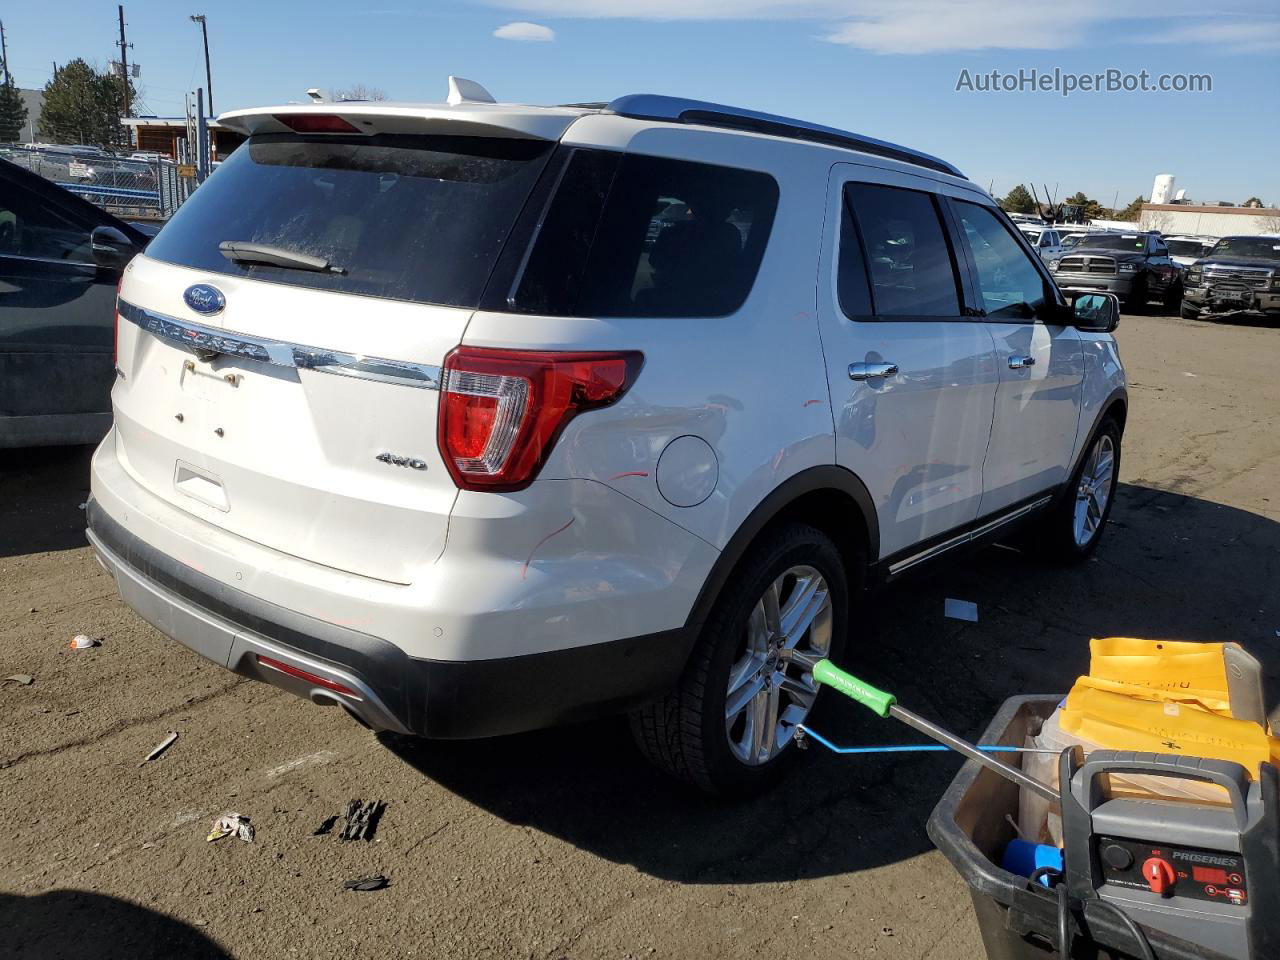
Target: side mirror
point(1096, 312)
point(111, 248)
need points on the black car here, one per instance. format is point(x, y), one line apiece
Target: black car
point(60, 263)
point(1240, 274)
point(1136, 267)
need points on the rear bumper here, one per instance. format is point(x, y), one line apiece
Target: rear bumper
point(387, 689)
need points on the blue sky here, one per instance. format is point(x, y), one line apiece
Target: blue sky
point(887, 68)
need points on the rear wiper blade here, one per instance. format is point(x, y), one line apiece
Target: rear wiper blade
point(241, 251)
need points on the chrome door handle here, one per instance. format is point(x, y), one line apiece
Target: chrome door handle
point(872, 371)
point(1018, 363)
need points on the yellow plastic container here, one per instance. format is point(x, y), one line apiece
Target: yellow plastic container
point(1168, 671)
point(1120, 722)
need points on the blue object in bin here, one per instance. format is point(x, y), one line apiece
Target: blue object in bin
point(1025, 858)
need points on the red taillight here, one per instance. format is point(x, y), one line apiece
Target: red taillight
point(501, 410)
point(301, 674)
point(316, 123)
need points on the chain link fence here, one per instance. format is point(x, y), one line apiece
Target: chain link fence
point(149, 186)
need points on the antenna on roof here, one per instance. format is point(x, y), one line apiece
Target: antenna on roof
point(315, 95)
point(462, 90)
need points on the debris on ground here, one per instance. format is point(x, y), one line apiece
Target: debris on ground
point(231, 823)
point(22, 679)
point(375, 882)
point(82, 641)
point(160, 748)
point(362, 820)
point(960, 610)
point(326, 826)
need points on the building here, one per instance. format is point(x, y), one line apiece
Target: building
point(1194, 219)
point(168, 136)
point(33, 100)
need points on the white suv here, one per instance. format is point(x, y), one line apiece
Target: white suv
point(473, 418)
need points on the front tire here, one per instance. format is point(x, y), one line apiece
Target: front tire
point(729, 726)
point(1136, 302)
point(1072, 529)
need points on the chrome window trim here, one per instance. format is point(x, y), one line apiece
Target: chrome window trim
point(197, 338)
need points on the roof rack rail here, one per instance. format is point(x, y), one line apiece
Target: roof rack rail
point(650, 106)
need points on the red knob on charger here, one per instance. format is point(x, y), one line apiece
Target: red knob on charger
point(1159, 875)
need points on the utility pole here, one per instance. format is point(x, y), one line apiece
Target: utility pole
point(124, 62)
point(208, 73)
point(4, 55)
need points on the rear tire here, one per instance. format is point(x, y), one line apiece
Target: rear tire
point(694, 733)
point(1070, 532)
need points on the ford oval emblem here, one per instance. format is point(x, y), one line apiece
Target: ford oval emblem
point(204, 299)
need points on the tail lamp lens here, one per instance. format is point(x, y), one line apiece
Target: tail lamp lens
point(501, 410)
point(315, 679)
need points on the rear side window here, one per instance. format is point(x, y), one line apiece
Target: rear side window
point(628, 235)
point(909, 259)
point(419, 218)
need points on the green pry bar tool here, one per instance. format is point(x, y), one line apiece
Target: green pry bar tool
point(886, 705)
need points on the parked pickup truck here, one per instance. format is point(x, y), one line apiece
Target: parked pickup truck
point(1136, 267)
point(1238, 274)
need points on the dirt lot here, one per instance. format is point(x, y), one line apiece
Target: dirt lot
point(563, 843)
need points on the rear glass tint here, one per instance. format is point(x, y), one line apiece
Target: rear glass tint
point(405, 217)
point(628, 235)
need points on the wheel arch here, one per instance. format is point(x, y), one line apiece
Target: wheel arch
point(829, 497)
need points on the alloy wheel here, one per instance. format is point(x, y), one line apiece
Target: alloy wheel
point(1097, 480)
point(771, 686)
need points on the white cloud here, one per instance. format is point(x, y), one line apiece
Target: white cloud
point(1237, 36)
point(937, 26)
point(525, 32)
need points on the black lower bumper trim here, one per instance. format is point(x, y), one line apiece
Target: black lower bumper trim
point(434, 698)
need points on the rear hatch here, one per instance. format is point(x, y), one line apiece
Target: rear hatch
point(291, 400)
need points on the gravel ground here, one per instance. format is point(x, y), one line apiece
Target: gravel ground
point(563, 844)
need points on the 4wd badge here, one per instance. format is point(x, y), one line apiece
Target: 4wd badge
point(398, 461)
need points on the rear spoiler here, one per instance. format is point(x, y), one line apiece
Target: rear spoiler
point(465, 119)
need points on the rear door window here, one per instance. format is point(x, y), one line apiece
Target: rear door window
point(908, 257)
point(629, 235)
point(419, 218)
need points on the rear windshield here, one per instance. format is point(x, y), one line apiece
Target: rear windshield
point(627, 235)
point(1186, 248)
point(404, 217)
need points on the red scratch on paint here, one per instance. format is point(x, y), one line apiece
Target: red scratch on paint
point(524, 571)
point(630, 473)
point(810, 403)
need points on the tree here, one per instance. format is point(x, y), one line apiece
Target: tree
point(83, 106)
point(13, 113)
point(358, 91)
point(1133, 211)
point(1018, 201)
point(1252, 202)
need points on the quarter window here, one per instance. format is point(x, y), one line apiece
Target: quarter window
point(1010, 285)
point(908, 258)
point(633, 236)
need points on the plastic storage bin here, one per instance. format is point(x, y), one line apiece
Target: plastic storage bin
point(1019, 920)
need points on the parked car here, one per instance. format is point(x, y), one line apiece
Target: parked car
point(439, 428)
point(1046, 241)
point(1136, 267)
point(60, 261)
point(1238, 274)
point(1187, 250)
